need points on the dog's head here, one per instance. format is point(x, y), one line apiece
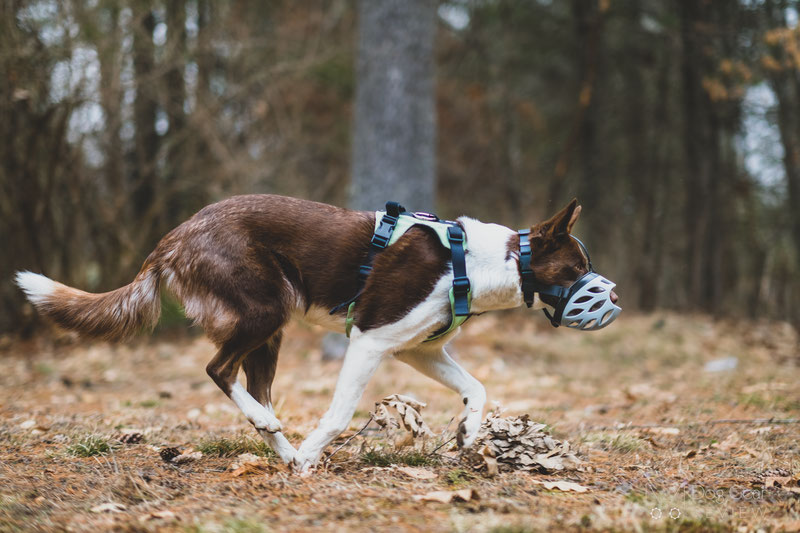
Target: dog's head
point(557, 259)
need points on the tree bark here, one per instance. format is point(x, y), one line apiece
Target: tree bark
point(394, 139)
point(145, 107)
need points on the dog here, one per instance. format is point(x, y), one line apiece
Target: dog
point(243, 267)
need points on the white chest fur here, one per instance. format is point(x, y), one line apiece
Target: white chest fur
point(494, 274)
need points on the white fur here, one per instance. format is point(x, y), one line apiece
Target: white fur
point(361, 360)
point(436, 363)
point(257, 414)
point(37, 288)
point(494, 277)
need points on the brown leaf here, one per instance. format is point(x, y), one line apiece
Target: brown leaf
point(518, 443)
point(447, 496)
point(565, 486)
point(781, 481)
point(490, 461)
point(158, 515)
point(110, 507)
point(417, 473)
point(407, 414)
point(248, 463)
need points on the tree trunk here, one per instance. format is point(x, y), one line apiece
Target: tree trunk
point(394, 138)
point(145, 107)
point(176, 95)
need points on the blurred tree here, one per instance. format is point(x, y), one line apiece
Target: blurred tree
point(394, 138)
point(122, 118)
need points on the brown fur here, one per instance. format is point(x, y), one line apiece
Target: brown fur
point(112, 315)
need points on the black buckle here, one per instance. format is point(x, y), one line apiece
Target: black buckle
point(461, 285)
point(454, 234)
point(382, 235)
point(393, 209)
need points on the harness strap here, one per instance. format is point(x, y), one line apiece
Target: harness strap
point(380, 240)
point(461, 292)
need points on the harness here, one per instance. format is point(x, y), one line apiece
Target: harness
point(389, 227)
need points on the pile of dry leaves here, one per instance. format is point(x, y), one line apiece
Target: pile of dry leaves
point(518, 443)
point(503, 443)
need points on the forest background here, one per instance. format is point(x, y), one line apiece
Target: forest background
point(676, 124)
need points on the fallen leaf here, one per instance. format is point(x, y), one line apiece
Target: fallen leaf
point(158, 515)
point(490, 461)
point(248, 463)
point(781, 481)
point(417, 473)
point(447, 496)
point(407, 414)
point(565, 486)
point(731, 442)
point(663, 431)
point(110, 507)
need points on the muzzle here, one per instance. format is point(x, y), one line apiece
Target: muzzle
point(586, 304)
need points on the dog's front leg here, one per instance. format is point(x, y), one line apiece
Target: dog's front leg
point(436, 363)
point(360, 362)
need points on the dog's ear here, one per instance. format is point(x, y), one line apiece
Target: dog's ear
point(559, 224)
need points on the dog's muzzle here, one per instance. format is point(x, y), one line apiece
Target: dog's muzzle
point(586, 305)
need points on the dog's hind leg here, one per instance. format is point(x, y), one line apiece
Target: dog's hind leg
point(224, 368)
point(259, 367)
point(436, 363)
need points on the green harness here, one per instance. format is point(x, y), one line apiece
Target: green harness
point(392, 224)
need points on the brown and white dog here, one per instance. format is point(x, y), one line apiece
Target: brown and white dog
point(245, 266)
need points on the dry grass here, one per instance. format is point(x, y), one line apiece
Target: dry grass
point(63, 408)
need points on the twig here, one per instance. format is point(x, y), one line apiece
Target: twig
point(345, 443)
point(439, 446)
point(755, 421)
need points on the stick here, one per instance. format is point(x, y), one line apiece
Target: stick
point(345, 443)
point(439, 446)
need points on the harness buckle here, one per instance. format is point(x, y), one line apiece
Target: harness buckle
point(455, 234)
point(461, 285)
point(382, 235)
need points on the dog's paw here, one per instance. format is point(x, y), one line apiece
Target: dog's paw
point(266, 421)
point(302, 466)
point(467, 432)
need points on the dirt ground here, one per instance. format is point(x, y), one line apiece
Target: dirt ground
point(684, 424)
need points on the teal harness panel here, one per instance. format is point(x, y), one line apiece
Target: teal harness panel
point(453, 238)
point(406, 222)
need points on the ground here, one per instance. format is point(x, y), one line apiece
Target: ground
point(718, 400)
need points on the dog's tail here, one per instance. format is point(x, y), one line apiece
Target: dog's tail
point(111, 315)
